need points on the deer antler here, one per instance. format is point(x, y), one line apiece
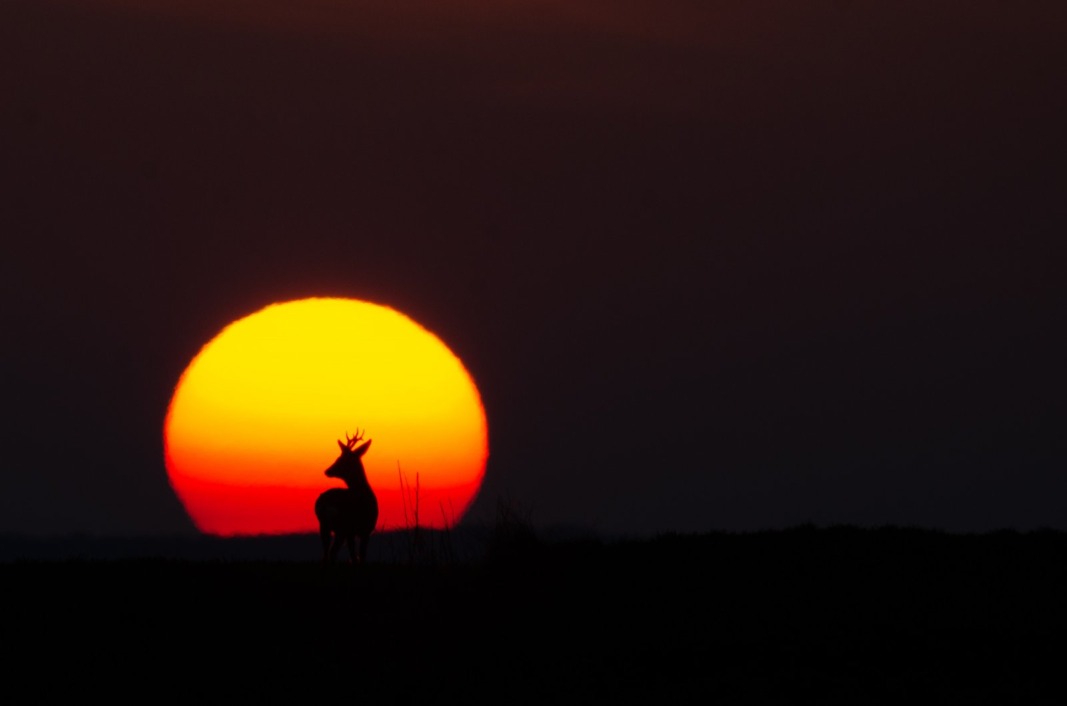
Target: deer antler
point(351, 441)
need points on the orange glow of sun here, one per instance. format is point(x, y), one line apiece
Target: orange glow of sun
point(255, 418)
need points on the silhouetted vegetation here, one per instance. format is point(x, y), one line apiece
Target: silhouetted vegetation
point(816, 615)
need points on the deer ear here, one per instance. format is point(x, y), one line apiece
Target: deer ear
point(362, 449)
point(342, 446)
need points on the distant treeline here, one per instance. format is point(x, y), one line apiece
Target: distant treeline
point(424, 546)
point(475, 543)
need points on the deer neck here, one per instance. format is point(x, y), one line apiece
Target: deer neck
point(357, 483)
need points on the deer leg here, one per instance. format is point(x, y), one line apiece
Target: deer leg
point(324, 537)
point(335, 547)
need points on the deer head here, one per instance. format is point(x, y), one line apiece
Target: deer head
point(349, 465)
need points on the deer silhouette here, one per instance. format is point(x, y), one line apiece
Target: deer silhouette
point(347, 514)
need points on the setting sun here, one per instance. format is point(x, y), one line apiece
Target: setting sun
point(255, 419)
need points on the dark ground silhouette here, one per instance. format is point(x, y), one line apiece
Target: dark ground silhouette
point(806, 615)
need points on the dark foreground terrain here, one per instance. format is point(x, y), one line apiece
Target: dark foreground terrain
point(808, 615)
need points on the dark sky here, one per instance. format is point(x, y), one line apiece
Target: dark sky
point(713, 264)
